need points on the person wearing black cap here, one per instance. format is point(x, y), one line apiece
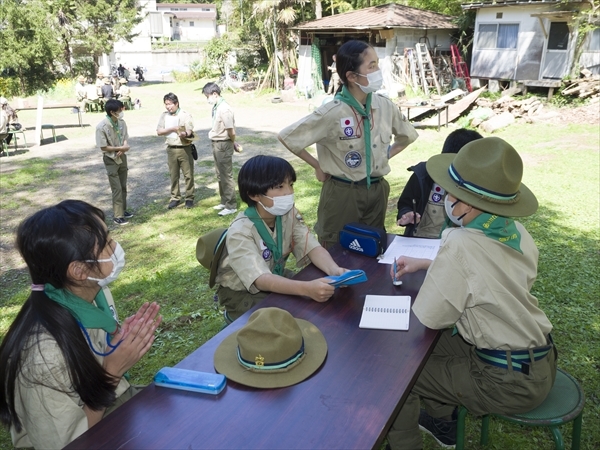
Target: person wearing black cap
point(499, 357)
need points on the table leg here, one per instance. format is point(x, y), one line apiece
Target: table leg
point(79, 115)
point(439, 119)
point(446, 116)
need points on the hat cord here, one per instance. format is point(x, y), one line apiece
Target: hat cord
point(259, 365)
point(486, 194)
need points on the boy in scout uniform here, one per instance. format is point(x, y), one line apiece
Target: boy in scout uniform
point(499, 357)
point(262, 237)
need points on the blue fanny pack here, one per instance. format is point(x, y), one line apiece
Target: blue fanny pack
point(363, 239)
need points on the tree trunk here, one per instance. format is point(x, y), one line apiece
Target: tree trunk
point(318, 9)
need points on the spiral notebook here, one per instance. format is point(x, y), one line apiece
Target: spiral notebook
point(385, 312)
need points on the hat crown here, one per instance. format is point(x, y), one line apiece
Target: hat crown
point(271, 336)
point(490, 163)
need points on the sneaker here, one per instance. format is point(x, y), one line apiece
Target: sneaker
point(173, 204)
point(219, 207)
point(443, 431)
point(226, 212)
point(189, 204)
point(127, 215)
point(120, 221)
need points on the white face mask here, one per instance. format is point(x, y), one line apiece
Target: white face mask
point(121, 115)
point(118, 261)
point(449, 207)
point(375, 80)
point(281, 205)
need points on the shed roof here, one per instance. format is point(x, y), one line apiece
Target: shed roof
point(390, 15)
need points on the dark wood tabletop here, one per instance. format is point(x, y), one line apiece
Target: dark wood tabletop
point(349, 403)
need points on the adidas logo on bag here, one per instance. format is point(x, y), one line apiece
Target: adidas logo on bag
point(354, 245)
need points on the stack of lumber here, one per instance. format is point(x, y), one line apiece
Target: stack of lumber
point(518, 108)
point(586, 86)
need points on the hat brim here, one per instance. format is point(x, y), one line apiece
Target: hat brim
point(214, 265)
point(437, 168)
point(315, 346)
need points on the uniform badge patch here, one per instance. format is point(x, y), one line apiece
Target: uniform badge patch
point(353, 159)
point(347, 122)
point(437, 193)
point(348, 131)
point(266, 254)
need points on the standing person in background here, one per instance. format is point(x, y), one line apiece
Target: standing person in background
point(426, 198)
point(111, 137)
point(334, 81)
point(81, 92)
point(177, 126)
point(222, 136)
point(353, 134)
point(3, 123)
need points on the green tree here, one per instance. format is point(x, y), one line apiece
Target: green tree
point(30, 51)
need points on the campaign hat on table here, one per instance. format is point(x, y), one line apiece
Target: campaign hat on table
point(272, 350)
point(486, 174)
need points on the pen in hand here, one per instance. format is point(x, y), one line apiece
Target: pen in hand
point(395, 282)
point(414, 202)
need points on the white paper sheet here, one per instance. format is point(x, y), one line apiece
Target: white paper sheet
point(413, 247)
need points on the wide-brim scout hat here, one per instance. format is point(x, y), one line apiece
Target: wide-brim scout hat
point(106, 81)
point(80, 78)
point(209, 249)
point(122, 81)
point(486, 174)
point(272, 350)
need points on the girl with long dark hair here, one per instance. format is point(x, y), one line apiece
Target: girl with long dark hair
point(65, 356)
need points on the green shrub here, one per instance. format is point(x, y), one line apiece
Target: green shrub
point(9, 87)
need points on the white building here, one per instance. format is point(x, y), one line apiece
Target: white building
point(164, 22)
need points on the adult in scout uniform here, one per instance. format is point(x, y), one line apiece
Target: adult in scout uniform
point(111, 137)
point(222, 136)
point(64, 357)
point(499, 358)
point(426, 198)
point(262, 237)
point(177, 126)
point(353, 134)
point(81, 92)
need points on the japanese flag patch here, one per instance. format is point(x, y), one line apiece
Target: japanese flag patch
point(347, 122)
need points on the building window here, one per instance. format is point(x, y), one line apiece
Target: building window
point(558, 37)
point(174, 9)
point(206, 9)
point(595, 40)
point(498, 35)
point(191, 24)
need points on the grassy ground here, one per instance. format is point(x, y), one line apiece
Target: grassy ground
point(561, 167)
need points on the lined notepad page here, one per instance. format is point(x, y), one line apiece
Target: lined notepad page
point(385, 312)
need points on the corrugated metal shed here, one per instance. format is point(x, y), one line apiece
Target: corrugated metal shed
point(391, 15)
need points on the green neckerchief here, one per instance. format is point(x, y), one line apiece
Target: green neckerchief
point(276, 249)
point(346, 97)
point(85, 312)
point(115, 125)
point(498, 228)
point(214, 109)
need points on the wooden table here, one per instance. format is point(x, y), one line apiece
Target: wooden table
point(56, 106)
point(421, 109)
point(349, 403)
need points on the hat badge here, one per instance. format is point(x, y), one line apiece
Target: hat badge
point(259, 360)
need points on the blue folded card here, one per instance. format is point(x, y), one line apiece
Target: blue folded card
point(190, 380)
point(349, 278)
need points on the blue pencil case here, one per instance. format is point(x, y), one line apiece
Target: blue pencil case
point(190, 380)
point(349, 278)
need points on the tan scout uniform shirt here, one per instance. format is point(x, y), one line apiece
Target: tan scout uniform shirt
point(337, 129)
point(107, 136)
point(52, 418)
point(246, 257)
point(434, 216)
point(482, 286)
point(80, 91)
point(221, 121)
point(184, 121)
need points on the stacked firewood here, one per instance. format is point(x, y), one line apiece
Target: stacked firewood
point(586, 86)
point(518, 108)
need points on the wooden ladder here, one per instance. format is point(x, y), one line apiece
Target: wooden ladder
point(427, 72)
